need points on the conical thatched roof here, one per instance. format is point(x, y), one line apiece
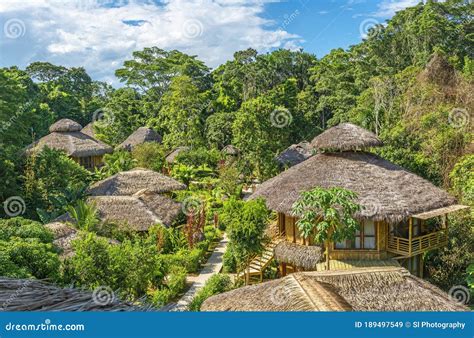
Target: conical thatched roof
point(230, 150)
point(130, 182)
point(65, 135)
point(89, 130)
point(294, 154)
point(140, 211)
point(64, 125)
point(345, 136)
point(139, 136)
point(385, 190)
point(35, 295)
point(172, 155)
point(368, 289)
point(303, 256)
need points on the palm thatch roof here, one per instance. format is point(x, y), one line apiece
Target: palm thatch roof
point(172, 155)
point(64, 234)
point(367, 289)
point(35, 295)
point(89, 130)
point(345, 136)
point(305, 256)
point(230, 150)
point(294, 154)
point(65, 135)
point(140, 211)
point(139, 136)
point(385, 191)
point(132, 181)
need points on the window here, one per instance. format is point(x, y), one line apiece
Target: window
point(86, 162)
point(365, 238)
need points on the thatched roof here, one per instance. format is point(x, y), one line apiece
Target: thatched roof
point(294, 154)
point(140, 211)
point(64, 234)
point(370, 289)
point(89, 129)
point(35, 295)
point(132, 181)
point(64, 125)
point(298, 255)
point(139, 136)
point(385, 191)
point(172, 155)
point(345, 136)
point(230, 150)
point(65, 135)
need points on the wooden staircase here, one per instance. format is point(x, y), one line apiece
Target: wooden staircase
point(253, 273)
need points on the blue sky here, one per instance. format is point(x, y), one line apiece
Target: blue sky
point(100, 34)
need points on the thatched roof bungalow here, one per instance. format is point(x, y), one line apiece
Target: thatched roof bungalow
point(294, 154)
point(395, 202)
point(66, 135)
point(139, 136)
point(370, 289)
point(127, 183)
point(140, 211)
point(171, 156)
point(35, 295)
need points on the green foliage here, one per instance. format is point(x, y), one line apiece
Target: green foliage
point(462, 178)
point(84, 215)
point(229, 181)
point(130, 267)
point(216, 284)
point(326, 214)
point(190, 259)
point(120, 160)
point(52, 181)
point(149, 155)
point(186, 174)
point(246, 229)
point(199, 156)
point(26, 250)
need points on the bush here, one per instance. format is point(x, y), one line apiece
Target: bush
point(120, 160)
point(161, 297)
point(52, 181)
point(216, 284)
point(199, 156)
point(149, 155)
point(229, 260)
point(190, 259)
point(26, 250)
point(177, 280)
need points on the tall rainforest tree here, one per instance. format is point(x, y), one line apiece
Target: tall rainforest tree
point(181, 116)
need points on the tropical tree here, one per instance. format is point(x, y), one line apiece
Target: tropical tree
point(327, 215)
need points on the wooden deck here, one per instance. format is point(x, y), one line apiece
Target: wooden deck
point(335, 264)
point(407, 248)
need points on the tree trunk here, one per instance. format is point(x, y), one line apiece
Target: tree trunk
point(327, 255)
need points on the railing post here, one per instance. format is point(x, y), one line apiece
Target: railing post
point(410, 233)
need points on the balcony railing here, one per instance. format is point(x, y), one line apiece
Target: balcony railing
point(417, 245)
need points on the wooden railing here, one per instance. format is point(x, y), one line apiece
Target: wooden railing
point(417, 245)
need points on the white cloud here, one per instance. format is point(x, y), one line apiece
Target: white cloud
point(99, 35)
point(387, 8)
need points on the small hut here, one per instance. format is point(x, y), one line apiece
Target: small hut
point(66, 135)
point(139, 136)
point(294, 154)
point(139, 211)
point(35, 295)
point(127, 183)
point(396, 203)
point(370, 289)
point(171, 156)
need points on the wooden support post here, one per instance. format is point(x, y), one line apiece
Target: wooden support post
point(410, 234)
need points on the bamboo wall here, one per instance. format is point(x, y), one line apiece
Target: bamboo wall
point(89, 162)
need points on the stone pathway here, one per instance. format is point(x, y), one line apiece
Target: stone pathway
point(212, 266)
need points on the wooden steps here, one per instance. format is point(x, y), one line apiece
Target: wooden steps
point(253, 273)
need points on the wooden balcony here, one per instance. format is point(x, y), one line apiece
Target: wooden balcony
point(417, 245)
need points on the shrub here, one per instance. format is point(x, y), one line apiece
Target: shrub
point(149, 155)
point(161, 297)
point(24, 228)
point(177, 280)
point(190, 259)
point(199, 156)
point(229, 181)
point(216, 284)
point(229, 260)
point(120, 160)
